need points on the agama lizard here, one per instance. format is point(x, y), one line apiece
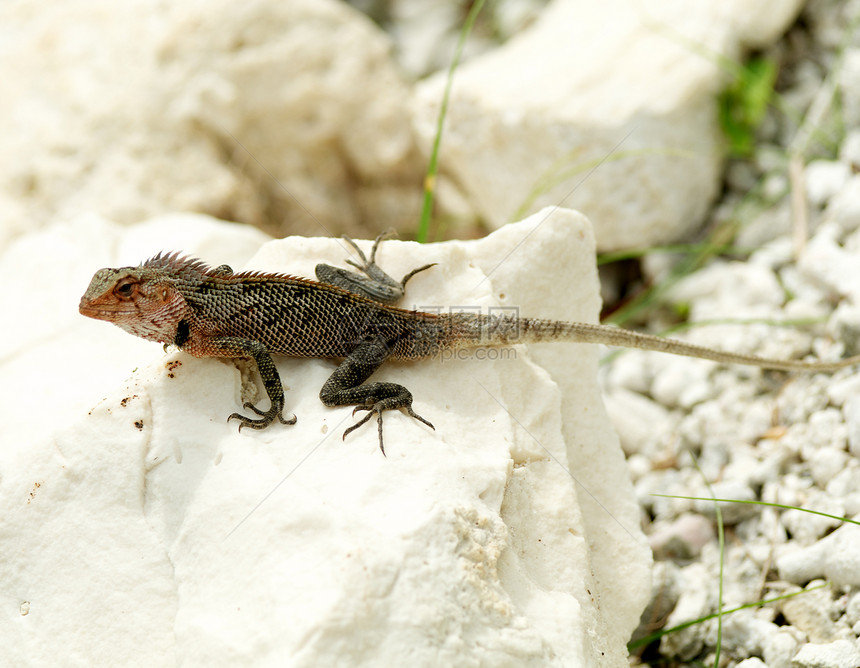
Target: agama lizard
point(210, 312)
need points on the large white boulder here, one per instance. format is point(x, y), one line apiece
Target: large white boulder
point(288, 114)
point(606, 107)
point(141, 528)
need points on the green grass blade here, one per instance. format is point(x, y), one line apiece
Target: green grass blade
point(433, 166)
point(763, 503)
point(647, 640)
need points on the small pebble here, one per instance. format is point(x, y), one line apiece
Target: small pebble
point(682, 538)
point(836, 654)
point(782, 646)
point(825, 178)
point(842, 564)
point(814, 612)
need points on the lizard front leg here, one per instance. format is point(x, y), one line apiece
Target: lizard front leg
point(375, 284)
point(344, 387)
point(227, 346)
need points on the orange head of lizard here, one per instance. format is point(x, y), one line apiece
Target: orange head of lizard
point(140, 300)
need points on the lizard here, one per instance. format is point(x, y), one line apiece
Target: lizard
point(345, 315)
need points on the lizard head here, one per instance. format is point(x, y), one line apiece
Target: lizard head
point(141, 300)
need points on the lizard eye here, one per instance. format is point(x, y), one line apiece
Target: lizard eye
point(124, 289)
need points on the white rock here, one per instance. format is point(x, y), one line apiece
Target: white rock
point(247, 111)
point(851, 411)
point(842, 389)
point(851, 501)
point(489, 541)
point(822, 429)
point(842, 566)
point(619, 122)
point(761, 534)
point(774, 459)
point(632, 370)
point(745, 465)
point(732, 513)
point(825, 260)
point(852, 609)
point(752, 662)
point(738, 290)
point(636, 419)
point(744, 634)
point(826, 464)
point(849, 150)
point(825, 178)
point(682, 381)
point(655, 489)
point(781, 647)
point(809, 299)
point(683, 538)
point(849, 79)
point(802, 564)
point(826, 430)
point(845, 484)
point(814, 612)
point(798, 399)
point(696, 600)
point(844, 322)
point(836, 557)
point(772, 225)
point(808, 527)
point(844, 208)
point(638, 465)
point(837, 654)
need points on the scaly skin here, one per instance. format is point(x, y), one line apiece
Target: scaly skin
point(215, 313)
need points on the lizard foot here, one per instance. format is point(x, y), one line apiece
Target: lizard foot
point(268, 417)
point(377, 409)
point(371, 269)
point(372, 282)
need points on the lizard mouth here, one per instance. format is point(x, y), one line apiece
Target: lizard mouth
point(98, 312)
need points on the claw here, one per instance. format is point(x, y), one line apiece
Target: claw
point(390, 232)
point(415, 415)
point(252, 407)
point(378, 411)
point(267, 417)
point(415, 271)
point(365, 264)
point(358, 251)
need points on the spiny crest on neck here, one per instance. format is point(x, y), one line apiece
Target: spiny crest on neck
point(184, 266)
point(177, 263)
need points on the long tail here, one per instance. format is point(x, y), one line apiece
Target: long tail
point(471, 330)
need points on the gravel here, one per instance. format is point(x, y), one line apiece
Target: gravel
point(758, 435)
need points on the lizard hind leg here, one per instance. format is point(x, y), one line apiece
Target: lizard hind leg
point(344, 388)
point(372, 282)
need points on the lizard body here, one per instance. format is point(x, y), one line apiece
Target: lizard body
point(217, 313)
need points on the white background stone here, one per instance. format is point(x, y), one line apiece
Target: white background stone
point(248, 111)
point(624, 85)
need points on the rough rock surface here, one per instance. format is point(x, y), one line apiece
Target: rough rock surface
point(628, 86)
point(246, 111)
point(141, 528)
